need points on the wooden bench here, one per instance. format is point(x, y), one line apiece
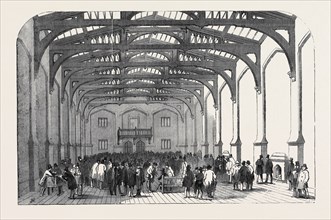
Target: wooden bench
point(171, 182)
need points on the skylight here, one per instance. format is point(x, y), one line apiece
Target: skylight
point(102, 15)
point(113, 92)
point(174, 15)
point(112, 38)
point(138, 90)
point(178, 72)
point(111, 82)
point(76, 31)
point(165, 38)
point(144, 70)
point(150, 54)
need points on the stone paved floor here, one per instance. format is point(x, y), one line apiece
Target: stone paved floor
point(261, 194)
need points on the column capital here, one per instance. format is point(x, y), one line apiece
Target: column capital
point(206, 144)
point(219, 144)
point(299, 141)
point(237, 142)
point(264, 141)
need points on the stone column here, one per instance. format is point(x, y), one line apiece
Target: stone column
point(236, 142)
point(205, 145)
point(195, 143)
point(296, 141)
point(261, 143)
point(77, 136)
point(220, 143)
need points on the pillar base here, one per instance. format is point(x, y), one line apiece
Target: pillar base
point(31, 146)
point(205, 149)
point(260, 148)
point(220, 147)
point(235, 149)
point(296, 152)
point(194, 146)
point(67, 151)
point(59, 152)
point(296, 149)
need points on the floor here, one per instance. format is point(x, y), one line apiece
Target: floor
point(261, 194)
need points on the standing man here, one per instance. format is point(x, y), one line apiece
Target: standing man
point(209, 181)
point(259, 169)
point(110, 177)
point(268, 169)
point(183, 167)
point(289, 174)
point(101, 173)
point(125, 177)
point(139, 179)
point(94, 173)
point(303, 181)
point(151, 171)
point(250, 178)
point(231, 162)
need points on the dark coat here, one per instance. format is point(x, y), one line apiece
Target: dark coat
point(110, 175)
point(269, 167)
point(70, 179)
point(188, 179)
point(125, 175)
point(259, 166)
point(199, 180)
point(140, 177)
point(290, 169)
point(118, 175)
point(58, 180)
point(244, 175)
point(131, 180)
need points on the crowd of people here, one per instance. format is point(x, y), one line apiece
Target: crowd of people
point(129, 174)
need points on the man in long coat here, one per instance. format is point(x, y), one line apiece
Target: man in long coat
point(269, 169)
point(259, 169)
point(289, 174)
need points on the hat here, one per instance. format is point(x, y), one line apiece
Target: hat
point(237, 162)
point(305, 165)
point(297, 163)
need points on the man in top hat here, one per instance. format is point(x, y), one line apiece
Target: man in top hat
point(289, 174)
point(234, 173)
point(259, 169)
point(295, 173)
point(268, 169)
point(303, 179)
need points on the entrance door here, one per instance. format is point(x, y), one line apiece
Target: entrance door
point(128, 147)
point(140, 146)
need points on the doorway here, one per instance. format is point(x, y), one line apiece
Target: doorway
point(140, 146)
point(128, 147)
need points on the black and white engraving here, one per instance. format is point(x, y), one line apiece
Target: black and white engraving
point(165, 107)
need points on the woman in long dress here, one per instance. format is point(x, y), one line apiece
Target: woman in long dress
point(47, 180)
